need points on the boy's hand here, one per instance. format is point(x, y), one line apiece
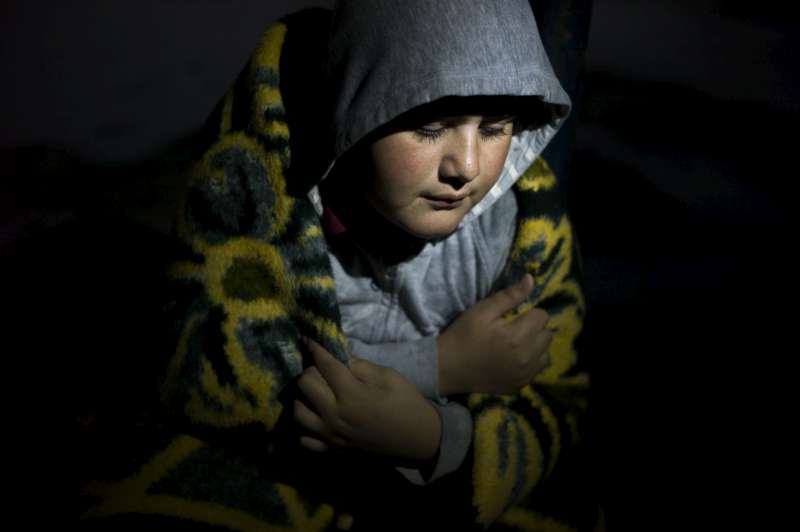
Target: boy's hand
point(483, 352)
point(368, 406)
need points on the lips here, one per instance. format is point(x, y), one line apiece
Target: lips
point(451, 198)
point(445, 201)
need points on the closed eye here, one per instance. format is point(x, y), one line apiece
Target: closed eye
point(491, 128)
point(497, 127)
point(430, 132)
point(491, 132)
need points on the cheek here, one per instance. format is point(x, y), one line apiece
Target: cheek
point(399, 168)
point(496, 158)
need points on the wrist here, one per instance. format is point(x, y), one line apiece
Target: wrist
point(420, 449)
point(434, 434)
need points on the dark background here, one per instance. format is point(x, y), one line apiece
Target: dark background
point(680, 189)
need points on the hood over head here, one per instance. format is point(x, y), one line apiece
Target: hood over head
point(388, 57)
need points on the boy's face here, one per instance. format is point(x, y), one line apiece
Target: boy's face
point(427, 176)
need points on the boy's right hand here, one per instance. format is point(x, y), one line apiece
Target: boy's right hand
point(482, 352)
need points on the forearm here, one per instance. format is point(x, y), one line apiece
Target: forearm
point(416, 360)
point(446, 362)
point(439, 442)
point(429, 363)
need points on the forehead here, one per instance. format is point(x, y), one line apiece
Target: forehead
point(490, 106)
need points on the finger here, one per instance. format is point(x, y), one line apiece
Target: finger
point(367, 371)
point(543, 340)
point(317, 391)
point(541, 365)
point(334, 372)
point(537, 348)
point(316, 427)
point(308, 419)
point(313, 444)
point(529, 324)
point(509, 298)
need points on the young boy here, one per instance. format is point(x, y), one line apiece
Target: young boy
point(429, 113)
point(448, 113)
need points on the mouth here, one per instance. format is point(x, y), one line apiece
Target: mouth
point(445, 201)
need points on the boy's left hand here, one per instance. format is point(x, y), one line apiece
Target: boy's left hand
point(367, 406)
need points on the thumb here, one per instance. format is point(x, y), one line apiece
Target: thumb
point(510, 297)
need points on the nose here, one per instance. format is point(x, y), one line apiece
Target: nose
point(461, 159)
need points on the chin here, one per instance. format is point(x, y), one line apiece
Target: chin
point(433, 229)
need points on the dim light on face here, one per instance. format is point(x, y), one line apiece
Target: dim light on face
point(426, 178)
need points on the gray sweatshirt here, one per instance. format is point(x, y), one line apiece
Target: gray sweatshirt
point(387, 57)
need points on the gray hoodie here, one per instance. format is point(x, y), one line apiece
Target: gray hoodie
point(387, 57)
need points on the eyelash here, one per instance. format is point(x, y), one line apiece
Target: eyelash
point(432, 135)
